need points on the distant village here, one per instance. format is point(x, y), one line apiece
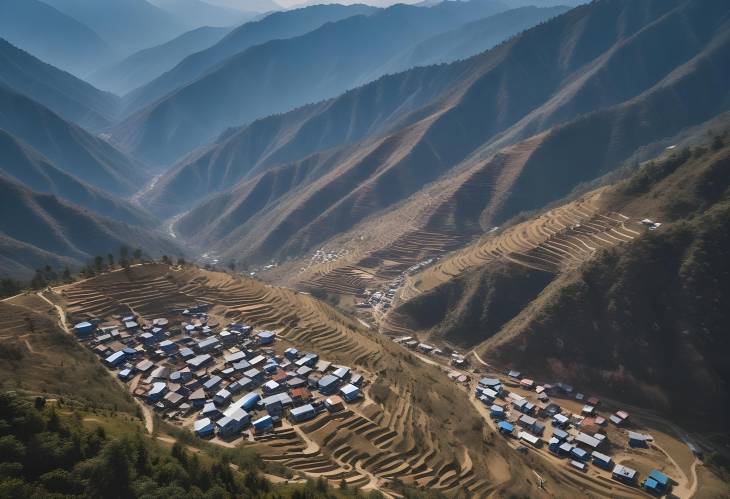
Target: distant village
point(227, 380)
point(534, 419)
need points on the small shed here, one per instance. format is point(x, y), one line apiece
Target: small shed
point(350, 392)
point(624, 474)
point(602, 460)
point(302, 413)
point(266, 337)
point(328, 384)
point(505, 428)
point(204, 428)
point(333, 403)
point(263, 424)
point(84, 329)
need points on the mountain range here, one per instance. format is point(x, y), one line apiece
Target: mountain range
point(282, 74)
point(40, 229)
point(148, 64)
point(72, 98)
point(52, 36)
point(585, 118)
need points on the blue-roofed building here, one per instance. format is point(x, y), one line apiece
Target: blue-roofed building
point(275, 404)
point(254, 375)
point(248, 401)
point(638, 439)
point(350, 392)
point(579, 453)
point(84, 329)
point(560, 434)
point(356, 379)
point(241, 366)
point(232, 422)
point(222, 397)
point(212, 383)
point(266, 337)
point(131, 353)
point(125, 374)
point(505, 428)
point(271, 386)
point(496, 411)
point(564, 449)
point(211, 411)
point(554, 445)
point(309, 359)
point(114, 359)
point(167, 346)
point(156, 393)
point(199, 361)
point(560, 421)
point(328, 384)
point(233, 358)
point(207, 345)
point(656, 483)
point(263, 424)
point(602, 460)
point(491, 383)
point(514, 374)
point(342, 372)
point(302, 413)
point(204, 428)
point(291, 353)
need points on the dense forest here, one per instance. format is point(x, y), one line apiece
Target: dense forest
point(44, 454)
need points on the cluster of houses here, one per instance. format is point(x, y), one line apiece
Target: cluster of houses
point(383, 299)
point(227, 379)
point(579, 438)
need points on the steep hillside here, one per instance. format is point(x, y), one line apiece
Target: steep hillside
point(283, 74)
point(413, 424)
point(247, 151)
point(364, 112)
point(475, 37)
point(276, 26)
point(37, 226)
point(655, 305)
point(30, 168)
point(127, 25)
point(459, 138)
point(68, 146)
point(640, 319)
point(35, 350)
point(65, 42)
point(148, 64)
point(64, 94)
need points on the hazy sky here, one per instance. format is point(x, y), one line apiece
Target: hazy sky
point(259, 5)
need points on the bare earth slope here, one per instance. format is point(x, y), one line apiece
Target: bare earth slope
point(37, 226)
point(288, 211)
point(68, 146)
point(560, 291)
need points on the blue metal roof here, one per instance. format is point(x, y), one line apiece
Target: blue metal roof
point(504, 425)
point(297, 411)
point(659, 477)
point(328, 380)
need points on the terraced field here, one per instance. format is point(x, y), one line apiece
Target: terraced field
point(439, 220)
point(39, 358)
point(559, 239)
point(404, 428)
